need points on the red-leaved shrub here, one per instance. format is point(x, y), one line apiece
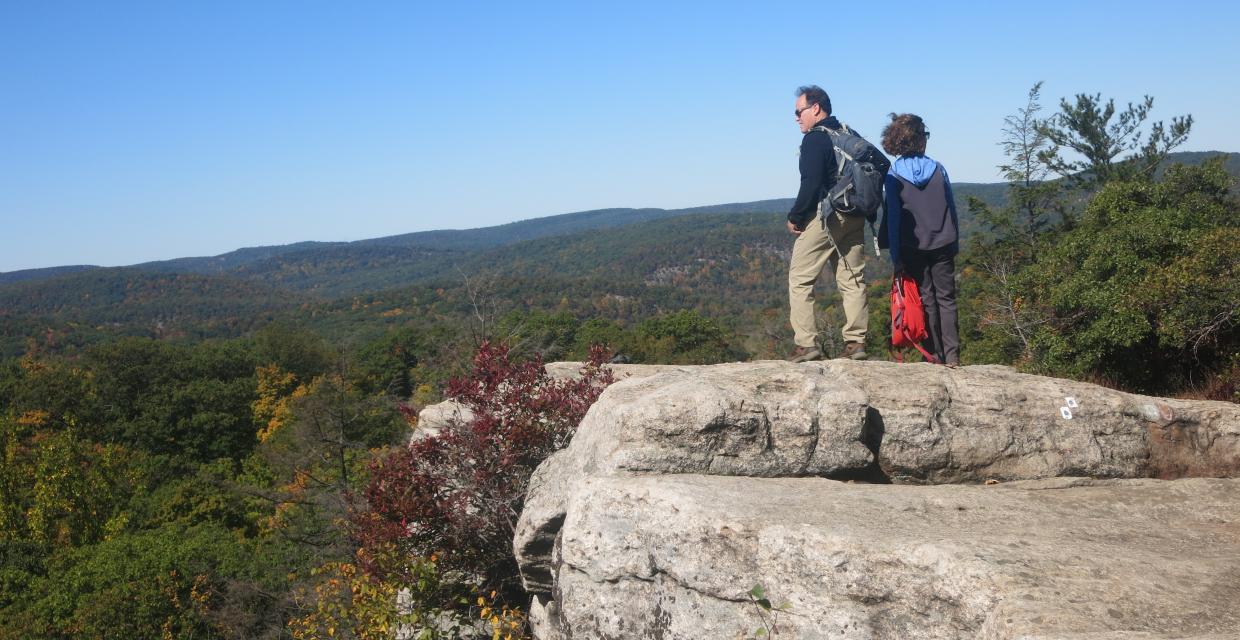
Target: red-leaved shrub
point(457, 495)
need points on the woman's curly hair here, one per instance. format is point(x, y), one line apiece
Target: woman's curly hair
point(905, 136)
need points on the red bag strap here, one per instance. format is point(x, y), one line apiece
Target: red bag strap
point(926, 354)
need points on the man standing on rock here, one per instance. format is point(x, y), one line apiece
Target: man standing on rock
point(823, 236)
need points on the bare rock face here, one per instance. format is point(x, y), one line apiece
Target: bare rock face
point(436, 417)
point(763, 419)
point(675, 557)
point(941, 425)
point(685, 486)
point(766, 419)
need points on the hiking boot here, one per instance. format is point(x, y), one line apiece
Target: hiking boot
point(804, 354)
point(854, 351)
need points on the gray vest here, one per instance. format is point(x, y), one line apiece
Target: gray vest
point(926, 222)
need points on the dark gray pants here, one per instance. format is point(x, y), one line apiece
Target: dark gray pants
point(935, 273)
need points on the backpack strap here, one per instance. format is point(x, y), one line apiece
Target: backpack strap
point(840, 155)
point(898, 355)
point(926, 354)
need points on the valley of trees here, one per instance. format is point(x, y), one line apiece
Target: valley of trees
point(224, 450)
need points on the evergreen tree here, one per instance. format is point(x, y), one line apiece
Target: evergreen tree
point(1101, 134)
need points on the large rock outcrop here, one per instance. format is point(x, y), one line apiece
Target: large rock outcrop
point(675, 556)
point(724, 473)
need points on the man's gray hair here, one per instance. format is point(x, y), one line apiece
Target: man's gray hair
point(815, 95)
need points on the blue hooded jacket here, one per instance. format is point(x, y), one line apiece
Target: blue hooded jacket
point(918, 170)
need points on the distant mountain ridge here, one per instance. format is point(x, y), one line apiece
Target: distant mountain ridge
point(452, 239)
point(253, 261)
point(42, 274)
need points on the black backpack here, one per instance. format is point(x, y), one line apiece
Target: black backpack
point(860, 171)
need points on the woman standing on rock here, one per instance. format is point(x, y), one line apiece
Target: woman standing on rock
point(922, 230)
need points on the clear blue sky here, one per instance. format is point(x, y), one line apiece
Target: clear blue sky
point(143, 131)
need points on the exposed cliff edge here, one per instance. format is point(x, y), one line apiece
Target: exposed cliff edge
point(685, 486)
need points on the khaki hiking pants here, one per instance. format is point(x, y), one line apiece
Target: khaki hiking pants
point(810, 253)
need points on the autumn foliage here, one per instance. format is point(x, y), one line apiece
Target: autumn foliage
point(456, 496)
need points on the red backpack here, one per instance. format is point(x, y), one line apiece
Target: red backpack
point(908, 318)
